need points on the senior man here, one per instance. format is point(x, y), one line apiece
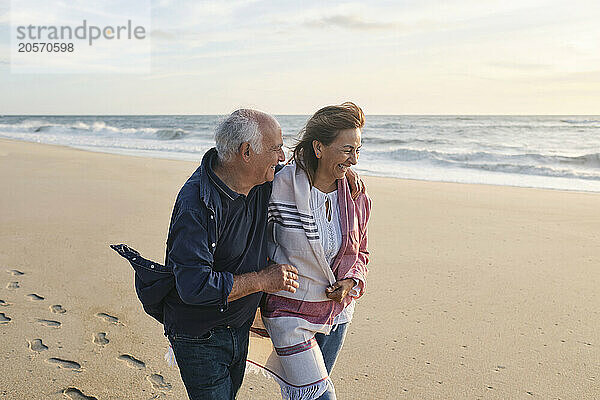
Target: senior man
point(216, 248)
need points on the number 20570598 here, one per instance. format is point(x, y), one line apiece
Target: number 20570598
point(43, 47)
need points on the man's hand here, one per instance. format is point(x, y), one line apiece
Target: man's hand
point(339, 290)
point(278, 277)
point(356, 184)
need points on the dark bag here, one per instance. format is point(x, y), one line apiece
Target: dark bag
point(153, 281)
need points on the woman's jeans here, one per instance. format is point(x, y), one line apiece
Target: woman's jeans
point(330, 346)
point(212, 366)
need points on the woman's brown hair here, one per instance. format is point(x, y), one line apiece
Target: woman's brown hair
point(324, 126)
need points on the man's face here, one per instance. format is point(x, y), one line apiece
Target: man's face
point(272, 154)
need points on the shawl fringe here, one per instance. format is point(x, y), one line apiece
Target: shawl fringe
point(289, 392)
point(170, 357)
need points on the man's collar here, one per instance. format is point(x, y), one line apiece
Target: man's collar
point(217, 181)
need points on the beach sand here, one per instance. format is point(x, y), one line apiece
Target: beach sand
point(474, 292)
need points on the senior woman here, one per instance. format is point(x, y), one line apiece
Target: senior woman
point(315, 225)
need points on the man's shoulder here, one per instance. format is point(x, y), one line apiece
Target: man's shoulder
point(190, 194)
point(189, 198)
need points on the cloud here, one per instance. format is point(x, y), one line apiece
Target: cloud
point(351, 22)
point(84, 10)
point(198, 15)
point(169, 75)
point(162, 3)
point(585, 77)
point(589, 79)
point(216, 8)
point(521, 66)
point(163, 35)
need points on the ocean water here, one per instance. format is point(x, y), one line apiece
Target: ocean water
point(554, 152)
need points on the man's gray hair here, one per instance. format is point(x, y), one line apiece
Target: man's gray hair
point(239, 127)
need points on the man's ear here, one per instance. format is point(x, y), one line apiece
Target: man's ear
point(245, 151)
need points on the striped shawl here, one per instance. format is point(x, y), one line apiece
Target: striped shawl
point(292, 319)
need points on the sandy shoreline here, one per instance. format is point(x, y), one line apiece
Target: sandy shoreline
point(475, 291)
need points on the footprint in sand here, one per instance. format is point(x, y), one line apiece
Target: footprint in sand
point(13, 285)
point(49, 323)
point(57, 309)
point(158, 382)
point(75, 394)
point(100, 339)
point(132, 361)
point(4, 319)
point(15, 272)
point(4, 303)
point(37, 345)
point(66, 364)
point(34, 297)
point(109, 318)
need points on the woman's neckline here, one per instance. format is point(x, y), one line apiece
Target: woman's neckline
point(325, 193)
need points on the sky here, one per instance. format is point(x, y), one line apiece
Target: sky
point(292, 57)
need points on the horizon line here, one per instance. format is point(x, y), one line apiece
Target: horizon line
point(299, 115)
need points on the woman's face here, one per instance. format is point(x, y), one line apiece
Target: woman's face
point(341, 154)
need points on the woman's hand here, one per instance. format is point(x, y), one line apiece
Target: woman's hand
point(339, 290)
point(356, 184)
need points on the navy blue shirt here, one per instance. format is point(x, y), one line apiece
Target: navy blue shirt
point(215, 233)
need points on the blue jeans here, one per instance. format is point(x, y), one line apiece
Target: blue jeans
point(212, 366)
point(330, 346)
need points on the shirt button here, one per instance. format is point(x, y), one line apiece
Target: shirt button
point(213, 245)
point(212, 217)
